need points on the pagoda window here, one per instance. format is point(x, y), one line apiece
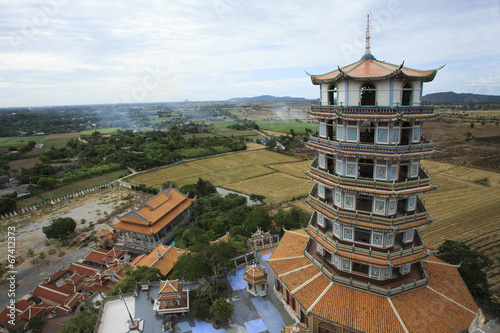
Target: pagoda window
point(338, 198)
point(414, 170)
point(381, 172)
point(394, 171)
point(387, 273)
point(368, 94)
point(321, 191)
point(346, 265)
point(321, 220)
point(360, 268)
point(319, 248)
point(365, 168)
point(351, 169)
point(377, 239)
point(406, 130)
point(393, 206)
point(388, 240)
point(405, 269)
point(395, 133)
point(333, 94)
point(416, 133)
point(347, 233)
point(322, 128)
point(364, 203)
point(340, 131)
point(336, 260)
point(336, 229)
point(321, 160)
point(379, 206)
point(411, 204)
point(383, 132)
point(406, 94)
point(374, 272)
point(409, 236)
point(349, 202)
point(328, 226)
point(338, 165)
point(362, 236)
point(330, 130)
point(327, 256)
point(367, 132)
point(352, 131)
point(329, 164)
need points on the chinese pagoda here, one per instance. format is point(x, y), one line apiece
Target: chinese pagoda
point(361, 265)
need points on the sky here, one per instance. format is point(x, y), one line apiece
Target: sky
point(68, 52)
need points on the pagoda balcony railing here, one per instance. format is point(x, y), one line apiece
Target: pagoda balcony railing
point(370, 218)
point(364, 251)
point(316, 106)
point(316, 142)
point(366, 286)
point(422, 180)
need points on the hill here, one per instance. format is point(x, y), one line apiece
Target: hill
point(453, 98)
point(268, 98)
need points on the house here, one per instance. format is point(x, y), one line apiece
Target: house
point(154, 222)
point(171, 298)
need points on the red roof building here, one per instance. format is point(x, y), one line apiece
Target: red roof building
point(361, 265)
point(154, 222)
point(171, 298)
point(163, 258)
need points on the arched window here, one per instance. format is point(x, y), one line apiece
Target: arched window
point(406, 94)
point(333, 94)
point(368, 93)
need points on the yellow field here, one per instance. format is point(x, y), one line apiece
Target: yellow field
point(466, 211)
point(274, 175)
point(276, 187)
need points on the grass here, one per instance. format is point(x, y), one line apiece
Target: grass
point(285, 125)
point(71, 188)
point(18, 141)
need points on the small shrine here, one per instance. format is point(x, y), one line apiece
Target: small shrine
point(171, 298)
point(262, 240)
point(256, 277)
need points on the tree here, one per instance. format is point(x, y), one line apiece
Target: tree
point(84, 322)
point(471, 265)
point(294, 218)
point(222, 309)
point(202, 188)
point(35, 323)
point(201, 299)
point(140, 274)
point(7, 205)
point(472, 124)
point(60, 228)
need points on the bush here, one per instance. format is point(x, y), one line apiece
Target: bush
point(222, 310)
point(30, 253)
point(60, 228)
point(57, 245)
point(42, 255)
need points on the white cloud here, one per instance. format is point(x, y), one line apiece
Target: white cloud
point(94, 51)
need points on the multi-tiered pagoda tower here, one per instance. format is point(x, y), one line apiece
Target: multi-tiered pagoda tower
point(361, 265)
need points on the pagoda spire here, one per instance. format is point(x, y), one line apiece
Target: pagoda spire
point(368, 55)
point(367, 45)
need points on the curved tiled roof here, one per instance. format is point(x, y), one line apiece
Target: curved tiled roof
point(444, 305)
point(374, 70)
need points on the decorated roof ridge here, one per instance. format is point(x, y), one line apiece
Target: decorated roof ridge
point(134, 213)
point(175, 288)
point(255, 270)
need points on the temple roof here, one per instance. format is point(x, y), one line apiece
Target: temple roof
point(374, 70)
point(154, 214)
point(255, 274)
point(444, 305)
point(170, 289)
point(163, 258)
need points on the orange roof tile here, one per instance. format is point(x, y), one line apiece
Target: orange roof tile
point(421, 310)
point(224, 239)
point(170, 289)
point(163, 258)
point(147, 221)
point(374, 70)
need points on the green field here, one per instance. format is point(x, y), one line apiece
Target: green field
point(18, 141)
point(286, 125)
point(258, 171)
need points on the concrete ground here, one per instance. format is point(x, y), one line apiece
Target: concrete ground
point(251, 314)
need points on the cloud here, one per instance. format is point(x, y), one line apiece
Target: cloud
point(94, 51)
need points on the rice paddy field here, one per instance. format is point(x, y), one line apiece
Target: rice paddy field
point(467, 207)
point(271, 174)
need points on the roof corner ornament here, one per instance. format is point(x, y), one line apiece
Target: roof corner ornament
point(401, 65)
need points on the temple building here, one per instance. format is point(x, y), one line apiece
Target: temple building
point(361, 264)
point(154, 222)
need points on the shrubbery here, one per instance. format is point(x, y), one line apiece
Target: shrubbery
point(60, 228)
